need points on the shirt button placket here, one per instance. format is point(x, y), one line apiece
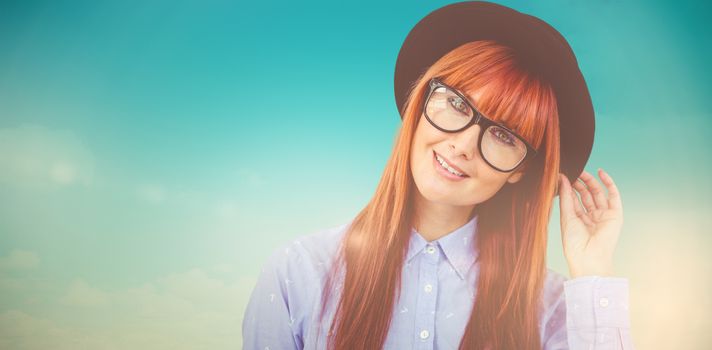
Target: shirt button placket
point(427, 298)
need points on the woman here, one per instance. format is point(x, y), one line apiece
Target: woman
point(450, 251)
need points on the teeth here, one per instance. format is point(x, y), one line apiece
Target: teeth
point(446, 166)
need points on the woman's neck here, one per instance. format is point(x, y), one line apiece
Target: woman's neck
point(434, 220)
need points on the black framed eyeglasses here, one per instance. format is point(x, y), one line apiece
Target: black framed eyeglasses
point(448, 110)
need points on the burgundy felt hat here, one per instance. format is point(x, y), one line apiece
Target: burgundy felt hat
point(540, 46)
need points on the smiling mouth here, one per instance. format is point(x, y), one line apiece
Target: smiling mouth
point(447, 166)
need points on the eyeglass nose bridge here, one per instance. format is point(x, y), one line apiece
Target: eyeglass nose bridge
point(477, 119)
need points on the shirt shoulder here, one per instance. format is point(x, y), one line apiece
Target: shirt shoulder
point(287, 287)
point(320, 247)
point(309, 256)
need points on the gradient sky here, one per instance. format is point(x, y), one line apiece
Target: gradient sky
point(153, 153)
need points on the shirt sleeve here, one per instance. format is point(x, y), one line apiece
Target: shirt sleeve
point(591, 313)
point(269, 322)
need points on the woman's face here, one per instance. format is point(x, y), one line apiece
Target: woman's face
point(459, 150)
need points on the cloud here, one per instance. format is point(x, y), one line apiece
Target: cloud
point(35, 156)
point(81, 294)
point(19, 260)
point(196, 308)
point(151, 193)
point(63, 173)
point(19, 330)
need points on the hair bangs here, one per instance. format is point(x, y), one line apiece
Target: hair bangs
point(502, 90)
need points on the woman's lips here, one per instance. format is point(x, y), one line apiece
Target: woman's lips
point(451, 165)
point(444, 172)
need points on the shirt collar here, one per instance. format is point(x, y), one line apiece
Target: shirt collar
point(459, 246)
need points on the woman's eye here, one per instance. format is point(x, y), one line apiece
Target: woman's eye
point(503, 136)
point(459, 105)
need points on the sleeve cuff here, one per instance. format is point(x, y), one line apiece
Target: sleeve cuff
point(596, 301)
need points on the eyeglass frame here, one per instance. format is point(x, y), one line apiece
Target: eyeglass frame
point(479, 119)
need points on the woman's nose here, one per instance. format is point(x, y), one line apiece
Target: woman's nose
point(465, 142)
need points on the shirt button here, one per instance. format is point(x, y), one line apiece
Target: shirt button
point(430, 249)
point(424, 334)
point(428, 288)
point(603, 302)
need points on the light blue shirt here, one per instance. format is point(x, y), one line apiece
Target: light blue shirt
point(437, 296)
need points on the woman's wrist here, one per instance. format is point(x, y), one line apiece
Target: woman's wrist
point(603, 270)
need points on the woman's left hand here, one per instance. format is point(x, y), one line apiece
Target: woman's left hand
point(590, 233)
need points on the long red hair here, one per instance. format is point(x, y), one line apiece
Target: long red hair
point(511, 227)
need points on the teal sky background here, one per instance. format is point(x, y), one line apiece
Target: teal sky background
point(153, 153)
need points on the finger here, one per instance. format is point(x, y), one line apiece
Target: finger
point(579, 210)
point(569, 203)
point(565, 202)
point(586, 196)
point(597, 191)
point(614, 197)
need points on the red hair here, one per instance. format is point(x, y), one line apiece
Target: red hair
point(511, 227)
